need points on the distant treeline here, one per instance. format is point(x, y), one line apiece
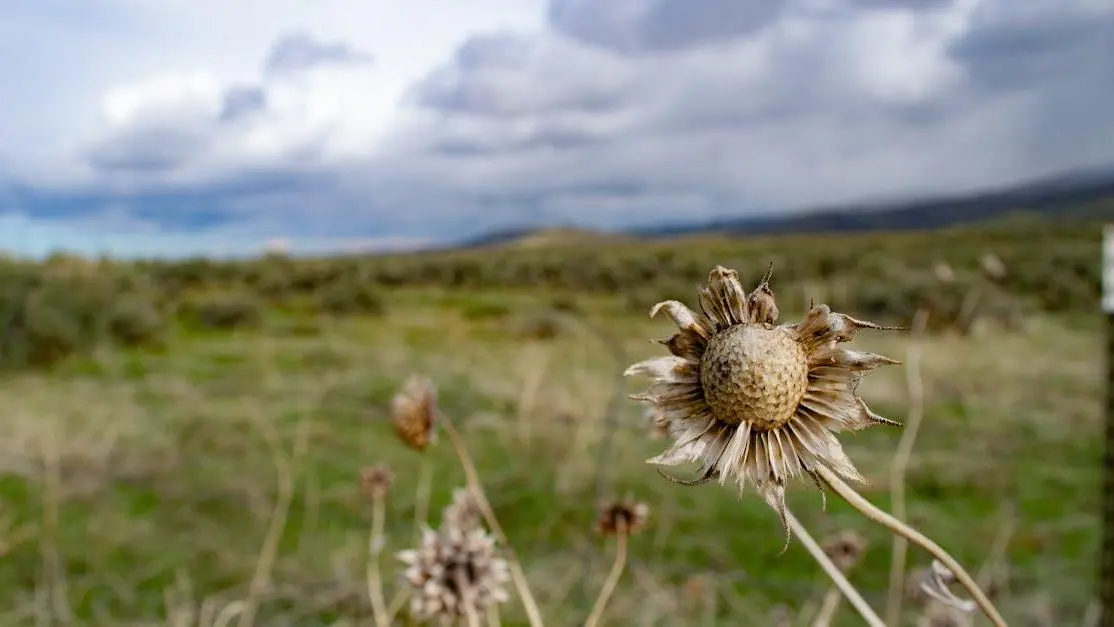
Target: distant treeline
point(999, 271)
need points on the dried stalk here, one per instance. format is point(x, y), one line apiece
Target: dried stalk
point(521, 584)
point(375, 550)
point(833, 571)
point(621, 537)
point(873, 512)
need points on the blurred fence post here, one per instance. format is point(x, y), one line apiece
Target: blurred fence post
point(1106, 583)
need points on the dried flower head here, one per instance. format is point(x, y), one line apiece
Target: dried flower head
point(464, 511)
point(375, 482)
point(625, 516)
point(845, 549)
point(414, 412)
point(753, 400)
point(454, 573)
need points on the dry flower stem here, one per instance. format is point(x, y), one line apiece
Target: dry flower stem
point(833, 572)
point(375, 550)
point(469, 606)
point(617, 568)
point(915, 384)
point(828, 608)
point(421, 497)
point(872, 512)
point(521, 584)
point(397, 601)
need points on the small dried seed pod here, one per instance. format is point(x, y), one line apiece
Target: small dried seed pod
point(845, 549)
point(414, 412)
point(375, 482)
point(464, 511)
point(624, 516)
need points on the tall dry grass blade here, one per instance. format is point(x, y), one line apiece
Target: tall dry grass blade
point(915, 384)
point(51, 598)
point(522, 585)
point(873, 512)
point(375, 551)
point(285, 469)
point(995, 561)
point(832, 571)
point(617, 567)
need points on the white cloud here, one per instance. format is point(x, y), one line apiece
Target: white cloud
point(438, 117)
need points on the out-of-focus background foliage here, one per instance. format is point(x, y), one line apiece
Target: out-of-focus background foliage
point(144, 403)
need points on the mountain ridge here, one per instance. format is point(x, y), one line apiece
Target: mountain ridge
point(1069, 195)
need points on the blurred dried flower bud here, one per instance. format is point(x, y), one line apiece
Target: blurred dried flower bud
point(845, 549)
point(454, 573)
point(762, 302)
point(625, 516)
point(993, 266)
point(943, 272)
point(414, 412)
point(375, 482)
point(695, 589)
point(464, 511)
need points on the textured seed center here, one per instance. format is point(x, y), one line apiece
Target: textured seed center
point(753, 373)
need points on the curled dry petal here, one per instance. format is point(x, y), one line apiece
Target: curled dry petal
point(723, 299)
point(685, 318)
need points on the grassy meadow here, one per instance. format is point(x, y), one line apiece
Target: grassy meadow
point(156, 416)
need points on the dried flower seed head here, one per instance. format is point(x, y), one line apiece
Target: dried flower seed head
point(454, 573)
point(375, 482)
point(414, 412)
point(626, 516)
point(464, 511)
point(756, 401)
point(845, 549)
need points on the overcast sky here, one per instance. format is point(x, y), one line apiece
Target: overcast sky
point(181, 126)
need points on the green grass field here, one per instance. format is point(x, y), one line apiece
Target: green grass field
point(138, 482)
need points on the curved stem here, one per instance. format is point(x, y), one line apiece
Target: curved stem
point(833, 572)
point(473, 478)
point(374, 579)
point(617, 568)
point(874, 513)
point(828, 607)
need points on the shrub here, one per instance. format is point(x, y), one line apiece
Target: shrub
point(351, 297)
point(134, 320)
point(224, 310)
point(48, 316)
